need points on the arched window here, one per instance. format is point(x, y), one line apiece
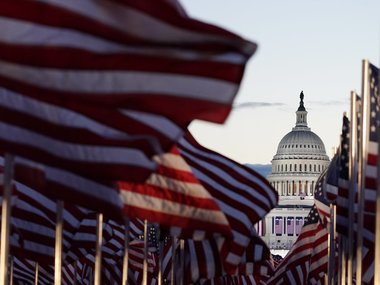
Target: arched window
point(300, 167)
point(290, 167)
point(315, 168)
point(295, 167)
point(282, 168)
point(305, 169)
point(310, 167)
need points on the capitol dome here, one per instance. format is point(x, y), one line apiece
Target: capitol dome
point(301, 141)
point(300, 158)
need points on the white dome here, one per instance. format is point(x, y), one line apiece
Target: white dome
point(301, 142)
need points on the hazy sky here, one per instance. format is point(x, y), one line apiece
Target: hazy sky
point(312, 45)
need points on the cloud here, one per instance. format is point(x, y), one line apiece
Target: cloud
point(255, 105)
point(329, 103)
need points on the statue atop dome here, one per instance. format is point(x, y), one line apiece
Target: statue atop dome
point(301, 107)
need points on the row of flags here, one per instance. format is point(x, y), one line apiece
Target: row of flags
point(104, 184)
point(339, 240)
point(95, 101)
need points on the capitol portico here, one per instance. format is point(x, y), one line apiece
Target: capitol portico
point(300, 158)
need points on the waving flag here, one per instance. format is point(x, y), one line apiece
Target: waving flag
point(81, 90)
point(243, 195)
point(60, 184)
point(369, 185)
point(342, 199)
point(321, 203)
point(126, 54)
point(306, 262)
point(173, 197)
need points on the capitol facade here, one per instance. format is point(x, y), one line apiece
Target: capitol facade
point(300, 159)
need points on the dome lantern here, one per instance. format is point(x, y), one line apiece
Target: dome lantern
point(301, 114)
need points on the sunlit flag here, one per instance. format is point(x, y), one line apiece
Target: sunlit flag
point(306, 262)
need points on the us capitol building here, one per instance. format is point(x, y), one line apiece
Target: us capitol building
point(300, 158)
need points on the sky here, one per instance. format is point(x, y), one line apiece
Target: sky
point(312, 45)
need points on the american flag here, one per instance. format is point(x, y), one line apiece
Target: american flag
point(322, 204)
point(307, 259)
point(331, 188)
point(343, 182)
point(24, 271)
point(278, 225)
point(60, 184)
point(173, 197)
point(84, 90)
point(243, 195)
point(150, 52)
point(371, 180)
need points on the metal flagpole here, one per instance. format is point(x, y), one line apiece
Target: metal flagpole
point(343, 259)
point(352, 186)
point(160, 259)
point(145, 267)
point(126, 251)
point(58, 244)
point(98, 256)
point(36, 271)
point(331, 247)
point(363, 150)
point(377, 231)
point(182, 256)
point(5, 218)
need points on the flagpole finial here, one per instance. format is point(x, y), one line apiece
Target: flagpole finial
point(301, 96)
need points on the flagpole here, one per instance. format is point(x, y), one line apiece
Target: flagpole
point(352, 186)
point(36, 271)
point(145, 265)
point(343, 259)
point(182, 256)
point(331, 247)
point(363, 150)
point(160, 259)
point(377, 231)
point(5, 217)
point(126, 251)
point(98, 256)
point(58, 244)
